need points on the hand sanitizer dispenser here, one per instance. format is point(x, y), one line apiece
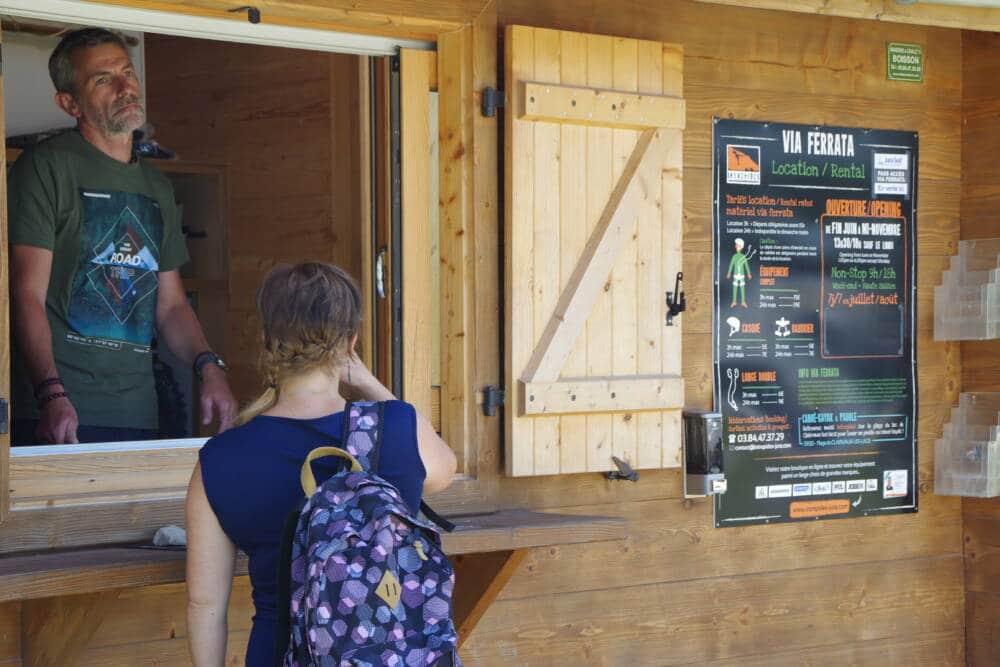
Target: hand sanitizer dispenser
point(703, 473)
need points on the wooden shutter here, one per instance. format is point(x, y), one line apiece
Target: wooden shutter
point(592, 245)
point(415, 86)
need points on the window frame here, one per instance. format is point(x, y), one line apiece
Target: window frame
point(109, 502)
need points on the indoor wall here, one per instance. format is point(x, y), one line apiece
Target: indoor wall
point(286, 125)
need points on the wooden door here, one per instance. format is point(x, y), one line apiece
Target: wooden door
point(592, 245)
point(4, 322)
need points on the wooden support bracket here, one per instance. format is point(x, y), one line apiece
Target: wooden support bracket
point(580, 105)
point(56, 631)
point(479, 578)
point(603, 394)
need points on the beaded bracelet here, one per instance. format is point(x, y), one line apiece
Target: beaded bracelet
point(48, 382)
point(48, 398)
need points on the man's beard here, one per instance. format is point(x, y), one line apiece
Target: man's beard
point(126, 123)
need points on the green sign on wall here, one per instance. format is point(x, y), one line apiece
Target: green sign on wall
point(905, 62)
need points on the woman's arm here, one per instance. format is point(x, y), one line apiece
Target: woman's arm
point(211, 562)
point(438, 459)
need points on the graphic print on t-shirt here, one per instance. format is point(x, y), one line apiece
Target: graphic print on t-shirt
point(114, 290)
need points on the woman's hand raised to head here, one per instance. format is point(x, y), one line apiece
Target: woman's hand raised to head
point(438, 458)
point(359, 382)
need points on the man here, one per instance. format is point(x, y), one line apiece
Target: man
point(739, 272)
point(96, 245)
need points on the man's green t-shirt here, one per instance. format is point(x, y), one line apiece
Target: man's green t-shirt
point(112, 227)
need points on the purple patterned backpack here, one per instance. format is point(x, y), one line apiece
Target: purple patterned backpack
point(369, 585)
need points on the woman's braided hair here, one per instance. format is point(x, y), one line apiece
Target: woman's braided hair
point(309, 314)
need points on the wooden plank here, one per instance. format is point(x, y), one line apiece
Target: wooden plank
point(768, 52)
point(618, 109)
point(519, 280)
point(610, 237)
point(936, 14)
point(595, 394)
point(50, 479)
point(415, 147)
point(573, 229)
point(624, 307)
point(983, 508)
point(673, 244)
point(982, 629)
point(455, 137)
point(57, 630)
point(870, 601)
point(546, 240)
point(172, 652)
point(10, 633)
point(384, 17)
point(366, 212)
point(4, 325)
point(518, 529)
point(26, 577)
point(600, 185)
point(486, 329)
point(979, 70)
point(673, 541)
point(982, 555)
point(650, 307)
point(937, 649)
point(149, 613)
point(54, 574)
point(479, 579)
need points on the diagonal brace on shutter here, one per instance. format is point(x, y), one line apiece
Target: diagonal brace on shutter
point(640, 180)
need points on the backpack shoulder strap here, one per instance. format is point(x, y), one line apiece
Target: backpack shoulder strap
point(363, 422)
point(362, 435)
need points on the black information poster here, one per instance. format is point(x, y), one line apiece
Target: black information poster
point(815, 265)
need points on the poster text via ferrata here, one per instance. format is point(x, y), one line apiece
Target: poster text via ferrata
point(815, 263)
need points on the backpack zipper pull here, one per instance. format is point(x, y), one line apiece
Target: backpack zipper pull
point(419, 546)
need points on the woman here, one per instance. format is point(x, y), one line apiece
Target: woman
point(247, 479)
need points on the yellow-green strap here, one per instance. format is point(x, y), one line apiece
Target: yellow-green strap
point(308, 481)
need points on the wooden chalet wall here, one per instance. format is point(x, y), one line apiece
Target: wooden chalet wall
point(885, 590)
point(285, 123)
point(981, 359)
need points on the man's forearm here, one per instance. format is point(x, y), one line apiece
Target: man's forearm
point(181, 331)
point(34, 339)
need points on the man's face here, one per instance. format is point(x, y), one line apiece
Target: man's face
point(106, 94)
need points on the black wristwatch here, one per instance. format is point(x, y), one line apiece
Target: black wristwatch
point(207, 357)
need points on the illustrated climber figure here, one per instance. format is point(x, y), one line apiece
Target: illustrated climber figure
point(739, 272)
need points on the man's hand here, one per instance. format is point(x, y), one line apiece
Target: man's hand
point(216, 398)
point(58, 423)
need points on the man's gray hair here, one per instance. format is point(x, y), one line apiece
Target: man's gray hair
point(61, 61)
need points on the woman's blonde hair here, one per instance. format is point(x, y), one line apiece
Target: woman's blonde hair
point(309, 315)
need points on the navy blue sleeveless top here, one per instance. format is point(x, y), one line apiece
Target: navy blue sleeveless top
point(251, 478)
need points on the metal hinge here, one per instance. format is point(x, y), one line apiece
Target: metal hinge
point(493, 398)
point(492, 99)
point(4, 420)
